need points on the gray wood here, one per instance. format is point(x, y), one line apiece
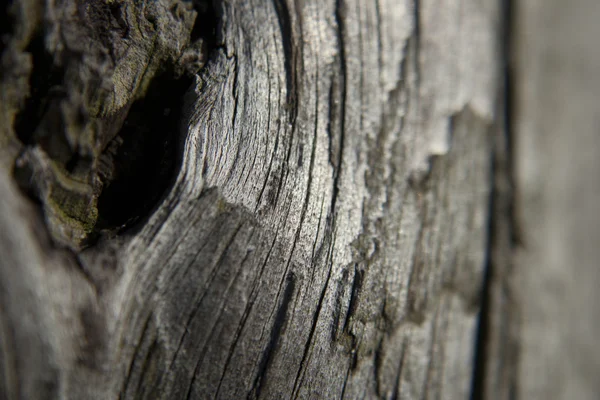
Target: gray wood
point(327, 229)
point(556, 275)
point(543, 315)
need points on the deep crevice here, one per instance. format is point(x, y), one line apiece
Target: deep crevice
point(6, 24)
point(285, 27)
point(147, 159)
point(482, 338)
point(480, 370)
point(206, 24)
point(276, 332)
point(45, 77)
point(357, 283)
point(340, 32)
point(139, 165)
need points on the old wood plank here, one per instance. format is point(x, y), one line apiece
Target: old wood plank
point(326, 233)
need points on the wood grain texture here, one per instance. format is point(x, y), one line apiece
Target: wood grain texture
point(325, 236)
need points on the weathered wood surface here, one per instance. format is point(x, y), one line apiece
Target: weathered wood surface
point(326, 232)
